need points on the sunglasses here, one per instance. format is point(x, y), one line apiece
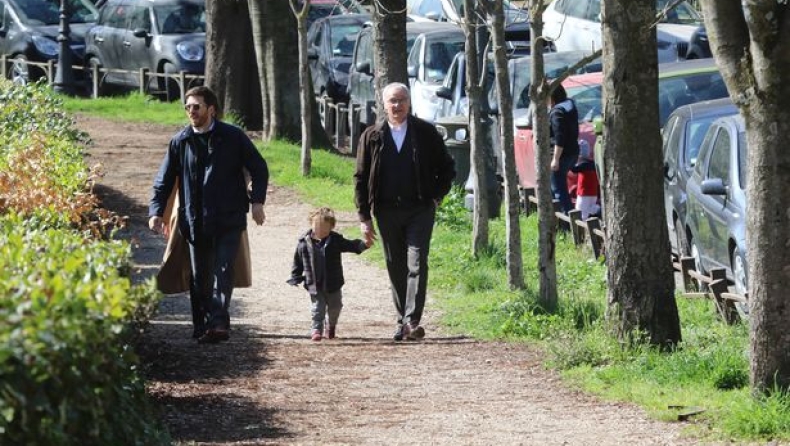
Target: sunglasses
point(190, 107)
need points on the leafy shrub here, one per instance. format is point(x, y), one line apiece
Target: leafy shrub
point(452, 213)
point(67, 372)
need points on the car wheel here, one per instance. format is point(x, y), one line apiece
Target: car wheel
point(741, 279)
point(702, 286)
point(680, 239)
point(167, 84)
point(20, 71)
point(95, 64)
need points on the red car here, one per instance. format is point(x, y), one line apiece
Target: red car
point(585, 90)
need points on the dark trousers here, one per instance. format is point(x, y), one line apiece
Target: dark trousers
point(406, 238)
point(559, 184)
point(212, 259)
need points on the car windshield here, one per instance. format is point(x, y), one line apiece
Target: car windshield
point(681, 14)
point(695, 133)
point(439, 57)
point(47, 12)
point(181, 18)
point(513, 14)
point(588, 99)
point(674, 91)
point(343, 38)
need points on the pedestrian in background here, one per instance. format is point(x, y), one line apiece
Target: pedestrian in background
point(318, 266)
point(564, 119)
point(403, 172)
point(208, 160)
point(587, 186)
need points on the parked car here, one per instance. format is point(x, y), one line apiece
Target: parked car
point(585, 90)
point(717, 203)
point(163, 36)
point(429, 59)
point(330, 48)
point(682, 135)
point(325, 8)
point(361, 86)
point(29, 32)
point(576, 25)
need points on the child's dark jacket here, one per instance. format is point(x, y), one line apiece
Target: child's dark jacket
point(303, 269)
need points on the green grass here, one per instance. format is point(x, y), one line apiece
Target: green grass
point(709, 370)
point(132, 107)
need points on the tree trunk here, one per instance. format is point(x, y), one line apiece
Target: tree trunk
point(306, 94)
point(389, 43)
point(274, 35)
point(230, 68)
point(515, 266)
point(752, 49)
point(477, 154)
point(547, 222)
point(641, 280)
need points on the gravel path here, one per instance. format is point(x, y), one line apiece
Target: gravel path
point(271, 385)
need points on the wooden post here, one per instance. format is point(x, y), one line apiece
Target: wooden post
point(526, 203)
point(686, 265)
point(718, 286)
point(182, 85)
point(4, 66)
point(354, 128)
point(329, 118)
point(50, 70)
point(593, 225)
point(576, 230)
point(143, 79)
point(94, 80)
point(340, 123)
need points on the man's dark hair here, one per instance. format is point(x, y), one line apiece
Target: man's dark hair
point(208, 97)
point(559, 94)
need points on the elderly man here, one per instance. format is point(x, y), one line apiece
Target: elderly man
point(403, 172)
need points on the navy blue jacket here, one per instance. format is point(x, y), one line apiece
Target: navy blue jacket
point(564, 119)
point(303, 269)
point(226, 200)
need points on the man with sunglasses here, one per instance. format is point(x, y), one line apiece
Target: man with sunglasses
point(208, 160)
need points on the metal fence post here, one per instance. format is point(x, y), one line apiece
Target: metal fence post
point(329, 117)
point(354, 128)
point(50, 70)
point(4, 66)
point(182, 85)
point(143, 78)
point(94, 80)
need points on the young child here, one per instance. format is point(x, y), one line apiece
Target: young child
point(317, 264)
point(586, 182)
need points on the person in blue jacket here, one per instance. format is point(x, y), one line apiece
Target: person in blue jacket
point(564, 120)
point(208, 160)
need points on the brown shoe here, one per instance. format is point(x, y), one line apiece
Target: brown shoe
point(329, 332)
point(213, 336)
point(415, 333)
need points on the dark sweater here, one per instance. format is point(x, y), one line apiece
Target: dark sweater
point(307, 258)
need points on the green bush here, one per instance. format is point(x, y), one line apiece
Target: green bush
point(67, 371)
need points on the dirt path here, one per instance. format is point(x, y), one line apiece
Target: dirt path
point(271, 385)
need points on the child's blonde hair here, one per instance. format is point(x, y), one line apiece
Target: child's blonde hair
point(324, 214)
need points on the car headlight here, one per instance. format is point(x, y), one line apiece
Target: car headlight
point(190, 51)
point(46, 46)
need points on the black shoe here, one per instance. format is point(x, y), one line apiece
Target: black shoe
point(213, 336)
point(400, 332)
point(198, 332)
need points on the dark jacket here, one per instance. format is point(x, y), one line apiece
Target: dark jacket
point(564, 119)
point(303, 269)
point(435, 168)
point(226, 200)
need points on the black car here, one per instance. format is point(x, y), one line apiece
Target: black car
point(683, 134)
point(163, 36)
point(29, 32)
point(330, 48)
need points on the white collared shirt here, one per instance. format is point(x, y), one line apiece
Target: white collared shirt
point(398, 133)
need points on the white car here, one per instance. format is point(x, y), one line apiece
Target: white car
point(576, 25)
point(427, 65)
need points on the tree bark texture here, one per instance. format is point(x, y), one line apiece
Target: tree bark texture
point(751, 45)
point(515, 262)
point(477, 153)
point(274, 34)
point(306, 98)
point(230, 62)
point(389, 55)
point(641, 297)
point(547, 222)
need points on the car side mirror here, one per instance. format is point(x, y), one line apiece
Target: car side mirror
point(444, 93)
point(364, 67)
point(411, 70)
point(140, 32)
point(713, 186)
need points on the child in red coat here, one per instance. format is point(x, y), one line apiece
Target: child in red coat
point(586, 182)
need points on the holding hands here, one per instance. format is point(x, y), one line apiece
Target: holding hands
point(367, 230)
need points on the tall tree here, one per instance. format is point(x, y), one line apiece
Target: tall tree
point(751, 44)
point(641, 295)
point(306, 98)
point(274, 35)
point(515, 267)
point(230, 61)
point(477, 151)
point(389, 43)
